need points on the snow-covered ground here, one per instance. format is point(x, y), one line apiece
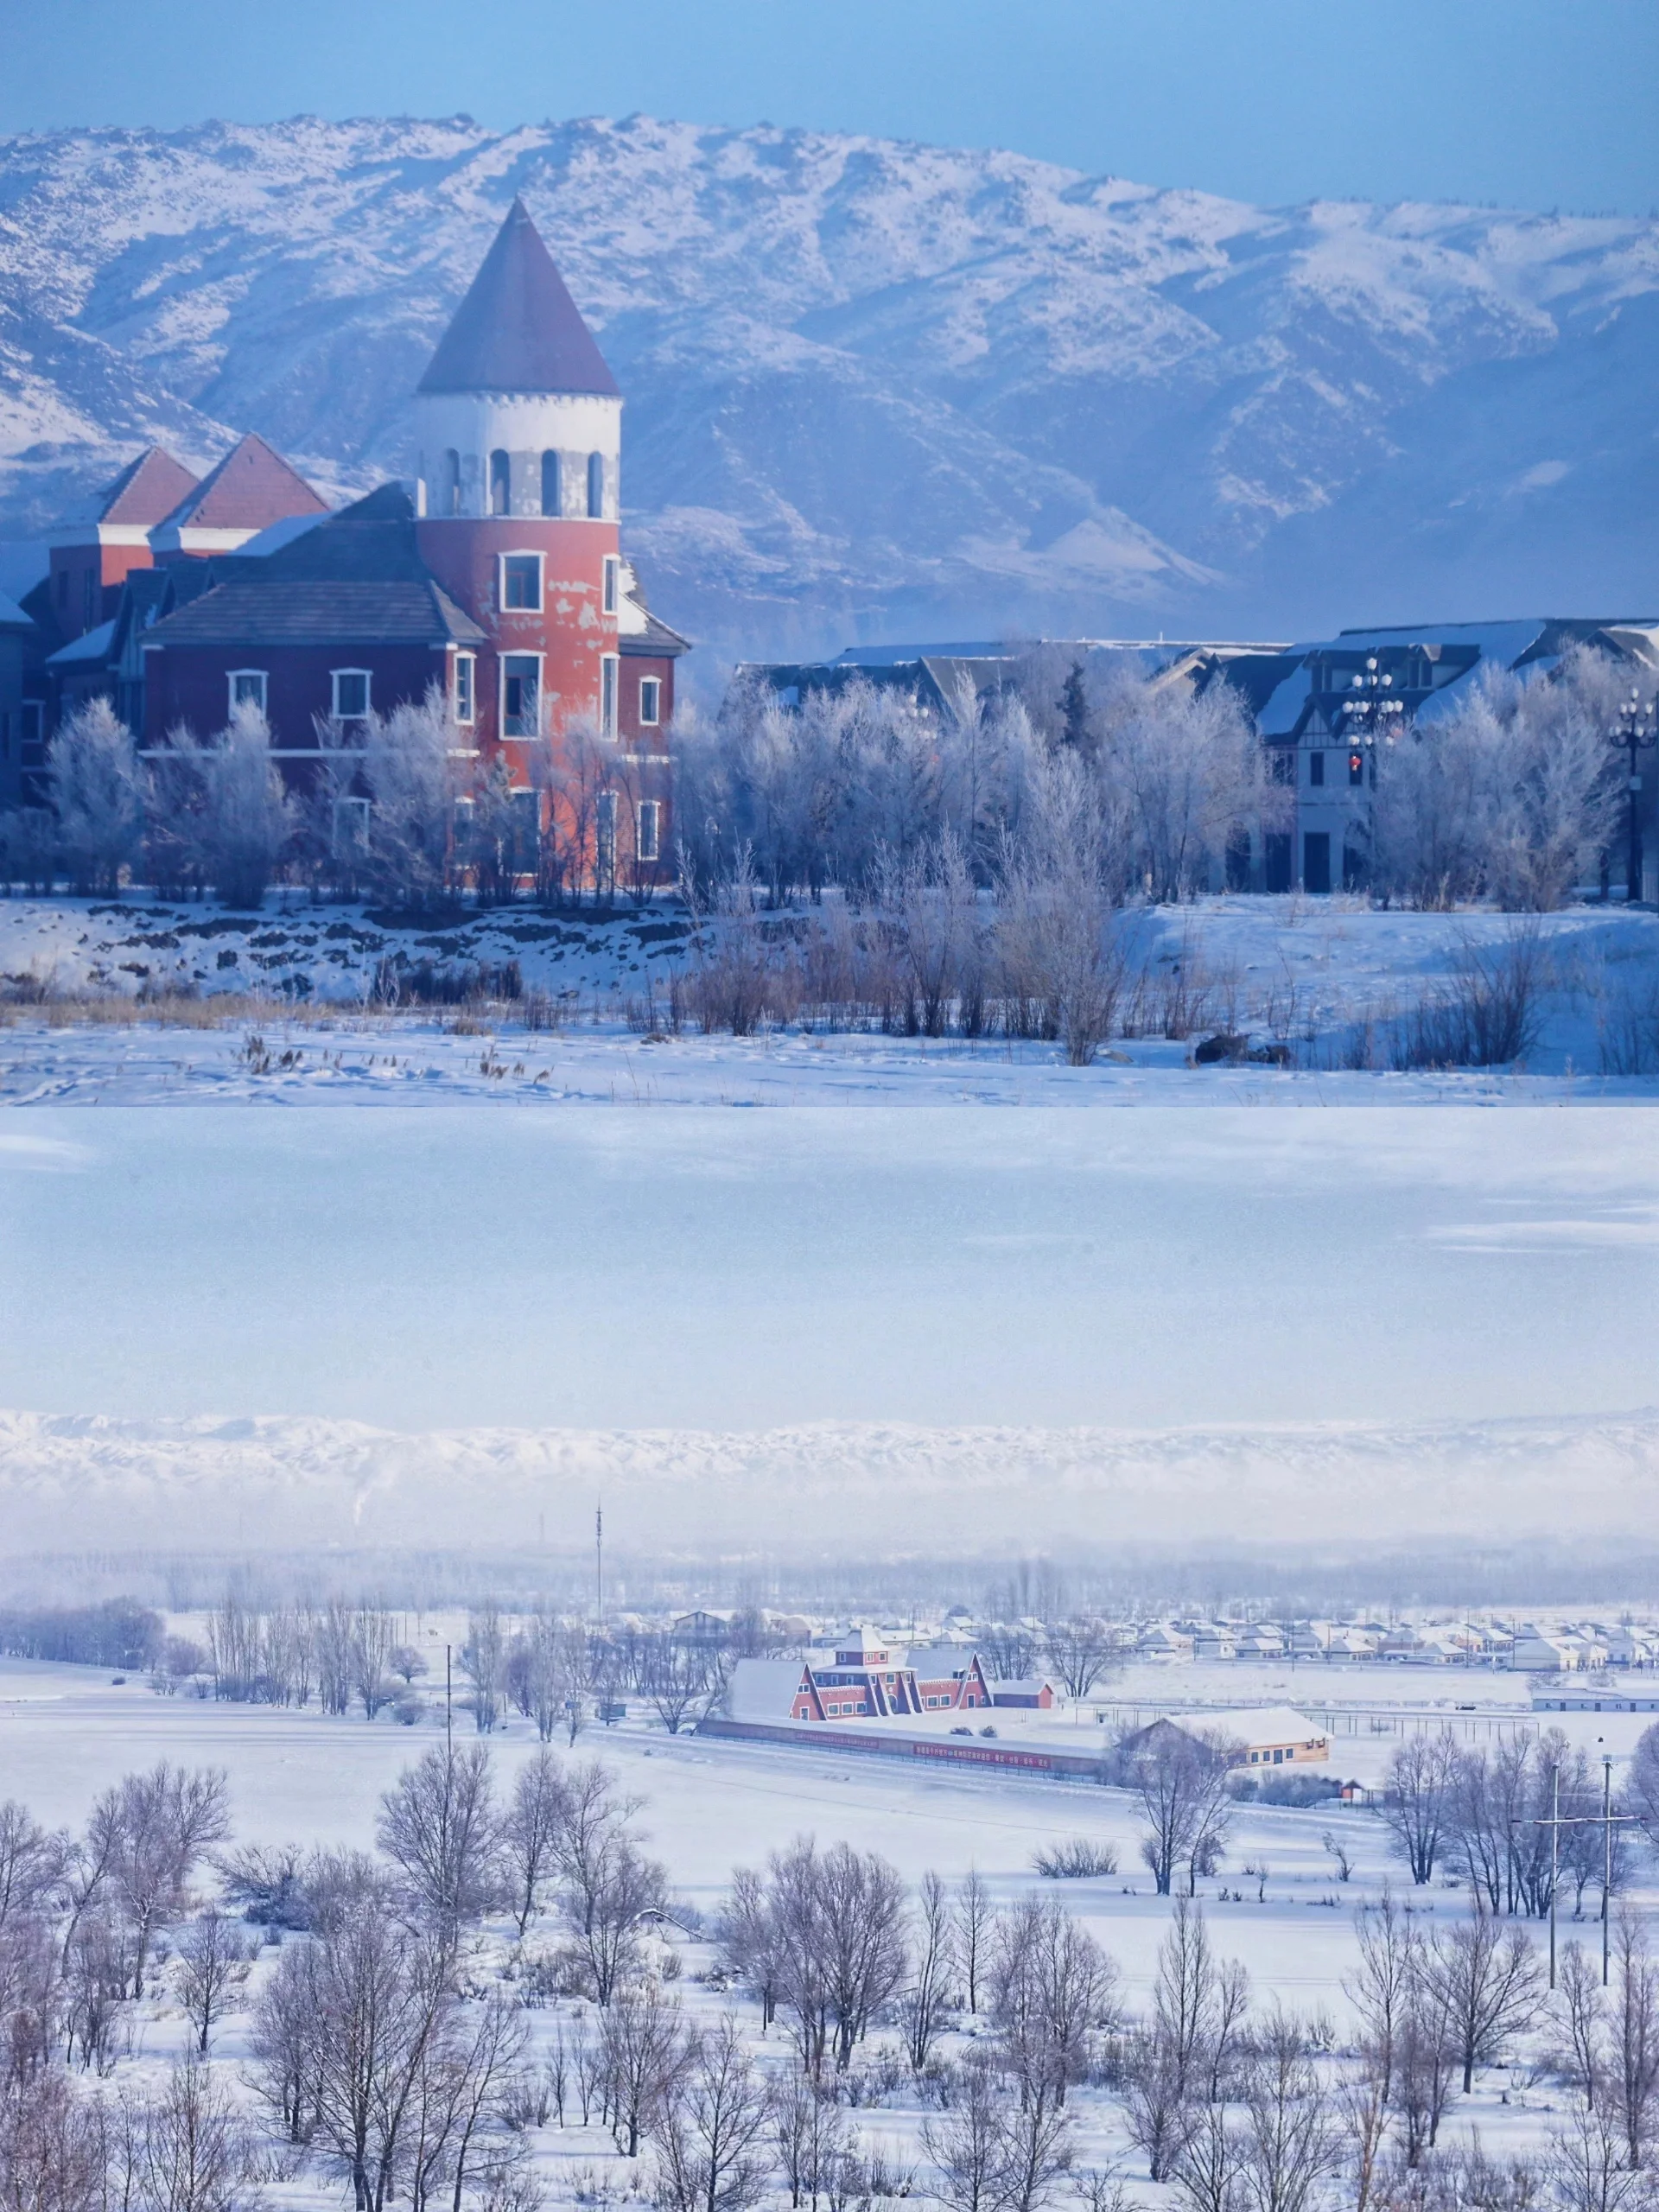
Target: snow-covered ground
point(67, 1731)
point(300, 1025)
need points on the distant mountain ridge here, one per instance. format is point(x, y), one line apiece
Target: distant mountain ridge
point(878, 389)
point(835, 1487)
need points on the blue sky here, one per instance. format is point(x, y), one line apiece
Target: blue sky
point(1528, 103)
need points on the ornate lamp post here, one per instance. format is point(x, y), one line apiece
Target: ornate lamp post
point(1369, 710)
point(1636, 728)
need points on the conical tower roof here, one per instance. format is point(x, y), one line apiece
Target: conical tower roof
point(518, 329)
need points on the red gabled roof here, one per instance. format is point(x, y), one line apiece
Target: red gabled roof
point(147, 490)
point(252, 488)
point(518, 329)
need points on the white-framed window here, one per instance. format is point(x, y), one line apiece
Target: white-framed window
point(650, 702)
point(248, 688)
point(604, 834)
point(351, 825)
point(350, 689)
point(520, 584)
point(521, 695)
point(648, 829)
point(608, 589)
point(465, 688)
point(610, 669)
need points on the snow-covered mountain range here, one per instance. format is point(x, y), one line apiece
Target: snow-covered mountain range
point(290, 1482)
point(878, 389)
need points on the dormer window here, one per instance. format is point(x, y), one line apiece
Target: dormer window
point(351, 695)
point(521, 582)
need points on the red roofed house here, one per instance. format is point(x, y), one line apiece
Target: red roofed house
point(868, 1679)
point(252, 488)
point(90, 564)
point(499, 577)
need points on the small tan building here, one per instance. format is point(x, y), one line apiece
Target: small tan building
point(1272, 1735)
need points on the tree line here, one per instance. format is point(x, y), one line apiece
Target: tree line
point(401, 813)
point(391, 2000)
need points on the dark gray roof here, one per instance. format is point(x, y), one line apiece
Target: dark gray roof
point(518, 329)
point(357, 579)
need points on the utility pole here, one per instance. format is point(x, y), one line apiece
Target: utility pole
point(599, 1565)
point(449, 1705)
point(1607, 1820)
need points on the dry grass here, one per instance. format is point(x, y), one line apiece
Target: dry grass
point(115, 1010)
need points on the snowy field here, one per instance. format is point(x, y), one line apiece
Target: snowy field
point(1276, 1904)
point(67, 1731)
point(302, 1026)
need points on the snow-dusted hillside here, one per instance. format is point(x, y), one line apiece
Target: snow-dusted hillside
point(878, 388)
point(295, 1483)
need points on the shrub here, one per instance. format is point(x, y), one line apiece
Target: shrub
point(1078, 1860)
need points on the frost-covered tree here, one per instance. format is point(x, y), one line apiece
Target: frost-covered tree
point(413, 770)
point(98, 794)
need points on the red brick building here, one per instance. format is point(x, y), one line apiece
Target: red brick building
point(496, 578)
point(867, 1679)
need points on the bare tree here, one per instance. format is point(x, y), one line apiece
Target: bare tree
point(193, 2152)
point(160, 1825)
point(710, 2135)
point(862, 1922)
point(967, 2144)
point(932, 1963)
point(439, 1826)
point(809, 2135)
point(1180, 1780)
point(974, 1914)
point(32, 1863)
point(1488, 1984)
point(1080, 1650)
point(531, 1829)
point(370, 1658)
point(1642, 1784)
point(1581, 2010)
point(282, 2042)
point(1290, 2145)
point(604, 1906)
point(674, 1674)
point(1380, 1986)
point(1417, 1799)
point(1051, 1988)
point(646, 2050)
point(213, 1964)
point(1635, 2039)
point(1587, 2169)
point(483, 1660)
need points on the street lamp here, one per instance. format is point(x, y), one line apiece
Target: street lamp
point(1370, 711)
point(1635, 728)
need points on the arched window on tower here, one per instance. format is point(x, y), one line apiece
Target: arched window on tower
point(552, 502)
point(500, 484)
point(449, 484)
point(596, 484)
